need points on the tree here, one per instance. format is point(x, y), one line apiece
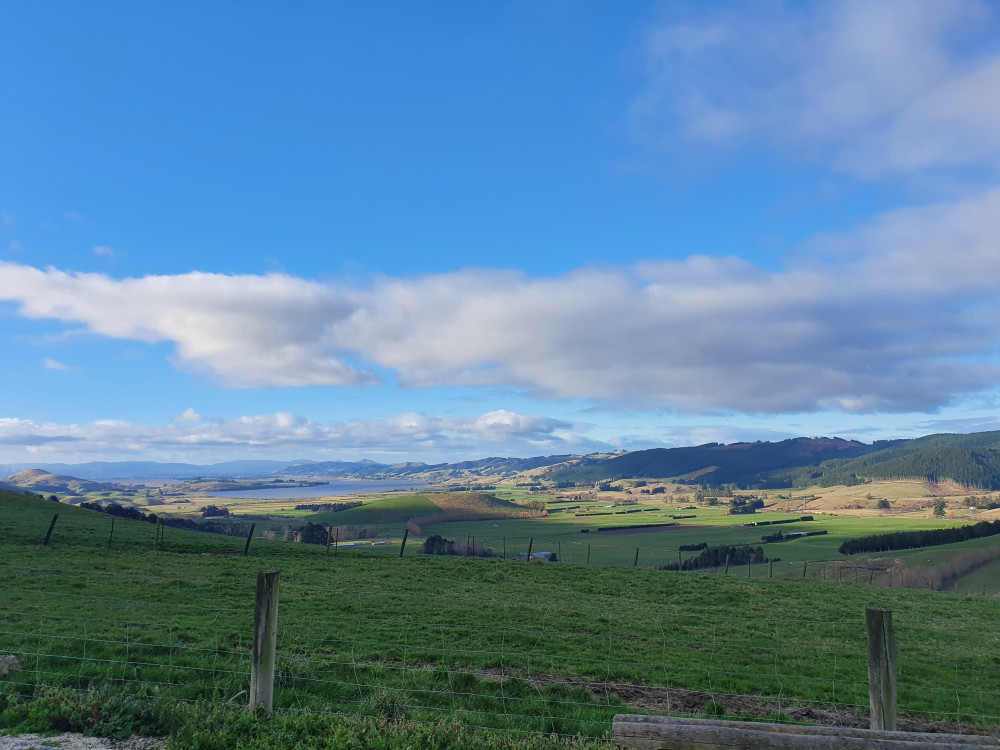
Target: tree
point(939, 508)
point(884, 504)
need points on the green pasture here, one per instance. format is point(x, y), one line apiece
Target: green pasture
point(519, 648)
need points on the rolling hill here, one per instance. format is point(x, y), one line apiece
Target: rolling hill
point(714, 463)
point(37, 480)
point(971, 460)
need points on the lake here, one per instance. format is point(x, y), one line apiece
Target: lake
point(334, 488)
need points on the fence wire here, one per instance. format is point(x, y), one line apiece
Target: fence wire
point(514, 664)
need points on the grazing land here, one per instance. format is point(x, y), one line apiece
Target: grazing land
point(158, 638)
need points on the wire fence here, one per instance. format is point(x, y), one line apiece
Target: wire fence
point(515, 659)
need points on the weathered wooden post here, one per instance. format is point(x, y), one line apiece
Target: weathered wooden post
point(467, 538)
point(770, 568)
point(403, 545)
point(680, 565)
point(588, 554)
point(804, 566)
point(881, 668)
point(727, 564)
point(48, 534)
point(871, 576)
point(505, 548)
point(336, 541)
point(246, 547)
point(531, 540)
point(329, 538)
point(111, 536)
point(636, 563)
point(265, 639)
point(749, 560)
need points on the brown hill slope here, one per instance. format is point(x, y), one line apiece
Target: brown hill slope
point(36, 480)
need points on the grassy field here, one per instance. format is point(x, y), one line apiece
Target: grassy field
point(525, 650)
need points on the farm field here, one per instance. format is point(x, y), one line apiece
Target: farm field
point(524, 650)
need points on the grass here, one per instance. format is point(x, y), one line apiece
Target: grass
point(162, 637)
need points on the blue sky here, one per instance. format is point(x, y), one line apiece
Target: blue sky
point(446, 230)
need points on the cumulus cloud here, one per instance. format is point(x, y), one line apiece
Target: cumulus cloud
point(880, 88)
point(52, 364)
point(399, 437)
point(247, 330)
point(189, 416)
point(900, 314)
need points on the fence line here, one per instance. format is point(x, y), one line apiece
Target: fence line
point(562, 675)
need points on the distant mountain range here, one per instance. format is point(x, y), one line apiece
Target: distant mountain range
point(484, 467)
point(132, 470)
point(972, 460)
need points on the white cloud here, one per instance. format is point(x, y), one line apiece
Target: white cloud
point(104, 250)
point(247, 330)
point(188, 416)
point(52, 364)
point(900, 314)
point(16, 246)
point(877, 87)
point(7, 219)
point(396, 438)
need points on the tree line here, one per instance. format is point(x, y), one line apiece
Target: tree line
point(913, 539)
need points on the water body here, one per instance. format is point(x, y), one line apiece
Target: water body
point(334, 488)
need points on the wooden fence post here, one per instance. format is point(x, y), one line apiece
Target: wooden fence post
point(403, 545)
point(467, 545)
point(265, 634)
point(48, 534)
point(329, 538)
point(727, 564)
point(636, 563)
point(246, 547)
point(680, 565)
point(770, 569)
point(804, 566)
point(588, 554)
point(881, 668)
point(111, 536)
point(871, 576)
point(336, 541)
point(749, 560)
point(531, 540)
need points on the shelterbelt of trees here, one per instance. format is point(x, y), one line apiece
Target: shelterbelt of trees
point(912, 539)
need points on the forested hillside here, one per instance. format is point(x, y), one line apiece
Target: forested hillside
point(715, 464)
point(972, 460)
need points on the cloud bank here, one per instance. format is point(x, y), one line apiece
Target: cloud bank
point(396, 438)
point(899, 315)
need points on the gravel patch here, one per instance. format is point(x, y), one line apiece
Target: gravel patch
point(77, 742)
